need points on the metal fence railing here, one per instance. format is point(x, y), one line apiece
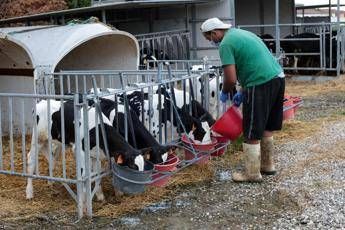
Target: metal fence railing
point(173, 45)
point(310, 53)
point(20, 152)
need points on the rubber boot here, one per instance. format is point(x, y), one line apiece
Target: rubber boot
point(251, 165)
point(267, 149)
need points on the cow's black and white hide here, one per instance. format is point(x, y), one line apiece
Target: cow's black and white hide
point(123, 153)
point(155, 153)
point(137, 98)
point(301, 46)
point(271, 45)
point(214, 88)
point(190, 122)
point(148, 58)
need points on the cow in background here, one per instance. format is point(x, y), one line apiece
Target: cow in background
point(271, 45)
point(148, 58)
point(301, 46)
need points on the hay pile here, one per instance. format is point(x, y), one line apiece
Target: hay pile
point(305, 89)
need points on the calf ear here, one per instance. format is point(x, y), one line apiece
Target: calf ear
point(146, 152)
point(194, 126)
point(119, 159)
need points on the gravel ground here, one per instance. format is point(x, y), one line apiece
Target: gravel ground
point(307, 193)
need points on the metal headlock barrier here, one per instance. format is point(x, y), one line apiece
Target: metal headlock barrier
point(327, 55)
point(173, 44)
point(80, 167)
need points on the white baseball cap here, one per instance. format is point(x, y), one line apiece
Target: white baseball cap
point(213, 24)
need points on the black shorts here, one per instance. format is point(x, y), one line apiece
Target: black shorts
point(263, 108)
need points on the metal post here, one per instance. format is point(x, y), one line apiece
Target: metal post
point(187, 17)
point(194, 45)
point(88, 172)
point(330, 11)
point(77, 151)
point(104, 17)
point(63, 150)
point(125, 111)
point(277, 29)
point(232, 12)
point(338, 37)
point(159, 79)
point(10, 125)
point(262, 16)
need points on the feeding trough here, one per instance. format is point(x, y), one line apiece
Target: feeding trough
point(130, 181)
point(288, 111)
point(162, 176)
point(201, 150)
point(229, 125)
point(291, 105)
point(221, 145)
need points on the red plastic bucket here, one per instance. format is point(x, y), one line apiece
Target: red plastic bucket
point(297, 102)
point(202, 157)
point(229, 124)
point(221, 146)
point(168, 166)
point(289, 111)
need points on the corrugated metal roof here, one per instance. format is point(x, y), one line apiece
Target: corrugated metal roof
point(105, 6)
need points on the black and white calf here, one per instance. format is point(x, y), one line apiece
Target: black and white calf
point(190, 122)
point(156, 153)
point(123, 153)
point(148, 58)
point(214, 86)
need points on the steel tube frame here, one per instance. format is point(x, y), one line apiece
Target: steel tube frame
point(83, 195)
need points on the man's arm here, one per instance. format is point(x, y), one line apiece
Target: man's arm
point(230, 78)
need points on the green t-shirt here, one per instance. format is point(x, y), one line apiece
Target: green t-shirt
point(255, 64)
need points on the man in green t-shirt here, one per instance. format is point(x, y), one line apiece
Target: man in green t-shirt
point(246, 59)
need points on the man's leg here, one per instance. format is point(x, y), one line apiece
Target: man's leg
point(267, 152)
point(251, 151)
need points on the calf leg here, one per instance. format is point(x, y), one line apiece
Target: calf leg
point(97, 165)
point(56, 150)
point(31, 160)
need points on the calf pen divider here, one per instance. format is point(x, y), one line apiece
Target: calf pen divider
point(74, 86)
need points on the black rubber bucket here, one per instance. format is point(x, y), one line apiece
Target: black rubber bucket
point(130, 181)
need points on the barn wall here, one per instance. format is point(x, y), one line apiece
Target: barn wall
point(221, 10)
point(174, 18)
point(248, 13)
point(16, 84)
point(245, 12)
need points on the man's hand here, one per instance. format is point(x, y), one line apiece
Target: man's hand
point(238, 98)
point(223, 97)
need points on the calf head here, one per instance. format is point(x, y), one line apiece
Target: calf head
point(157, 154)
point(201, 113)
point(194, 123)
point(191, 124)
point(133, 161)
